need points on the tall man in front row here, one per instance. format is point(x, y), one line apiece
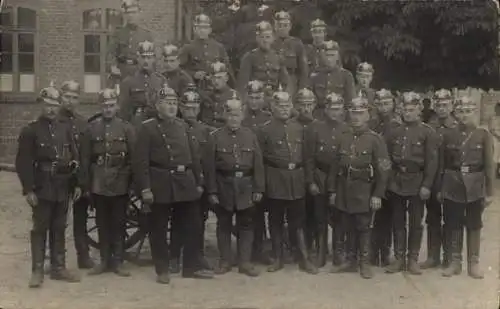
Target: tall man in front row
point(45, 162)
point(282, 143)
point(358, 180)
point(413, 150)
point(107, 149)
point(466, 186)
point(235, 181)
point(170, 178)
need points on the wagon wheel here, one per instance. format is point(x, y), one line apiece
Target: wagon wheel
point(135, 232)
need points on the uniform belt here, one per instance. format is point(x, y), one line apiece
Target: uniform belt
point(110, 160)
point(285, 166)
point(363, 173)
point(55, 167)
point(408, 168)
point(467, 168)
point(176, 168)
point(324, 167)
point(235, 173)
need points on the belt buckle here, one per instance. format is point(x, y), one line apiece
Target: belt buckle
point(129, 61)
point(291, 166)
point(465, 169)
point(238, 174)
point(181, 168)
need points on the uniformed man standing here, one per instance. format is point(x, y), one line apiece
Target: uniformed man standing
point(70, 97)
point(282, 141)
point(214, 99)
point(190, 108)
point(138, 92)
point(358, 179)
point(198, 55)
point(170, 178)
point(46, 159)
point(291, 51)
point(177, 78)
point(364, 77)
point(263, 63)
point(321, 143)
point(383, 123)
point(442, 122)
point(331, 77)
point(107, 150)
point(302, 13)
point(235, 182)
point(412, 147)
point(466, 186)
point(122, 46)
point(313, 50)
point(255, 117)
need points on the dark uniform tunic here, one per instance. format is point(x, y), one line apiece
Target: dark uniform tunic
point(254, 120)
point(265, 66)
point(198, 55)
point(337, 80)
point(178, 80)
point(212, 107)
point(107, 152)
point(138, 95)
point(123, 47)
point(168, 163)
point(293, 54)
point(313, 57)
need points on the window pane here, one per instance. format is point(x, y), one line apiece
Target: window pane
point(6, 42)
point(26, 18)
point(6, 82)
point(113, 19)
point(6, 17)
point(92, 44)
point(6, 63)
point(92, 19)
point(26, 63)
point(27, 83)
point(92, 64)
point(26, 42)
point(91, 83)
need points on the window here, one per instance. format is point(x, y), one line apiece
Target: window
point(17, 49)
point(98, 25)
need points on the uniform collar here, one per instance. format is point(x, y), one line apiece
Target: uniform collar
point(412, 124)
point(361, 130)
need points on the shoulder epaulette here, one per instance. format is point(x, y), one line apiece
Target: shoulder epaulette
point(148, 120)
point(265, 124)
point(428, 126)
point(215, 131)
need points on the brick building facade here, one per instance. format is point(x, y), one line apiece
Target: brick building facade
point(57, 40)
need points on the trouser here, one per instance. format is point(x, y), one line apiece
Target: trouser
point(358, 226)
point(188, 214)
point(260, 228)
point(456, 217)
point(110, 216)
point(176, 244)
point(435, 232)
point(414, 206)
point(245, 233)
point(317, 224)
point(294, 211)
point(80, 217)
point(49, 217)
point(382, 234)
point(338, 236)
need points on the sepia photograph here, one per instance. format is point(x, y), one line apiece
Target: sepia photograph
point(249, 154)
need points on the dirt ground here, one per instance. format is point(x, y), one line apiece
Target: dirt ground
point(287, 289)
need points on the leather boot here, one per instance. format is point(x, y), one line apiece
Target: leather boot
point(375, 246)
point(456, 246)
point(433, 248)
point(322, 247)
point(364, 248)
point(37, 242)
point(224, 245)
point(352, 252)
point(305, 263)
point(245, 241)
point(446, 244)
point(174, 266)
point(339, 262)
point(58, 271)
point(415, 241)
point(277, 244)
point(473, 247)
point(399, 253)
point(385, 246)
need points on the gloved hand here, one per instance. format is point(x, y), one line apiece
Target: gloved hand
point(424, 193)
point(313, 189)
point(147, 196)
point(256, 197)
point(32, 199)
point(375, 203)
point(213, 199)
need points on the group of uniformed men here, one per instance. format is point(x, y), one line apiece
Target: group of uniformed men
point(297, 139)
